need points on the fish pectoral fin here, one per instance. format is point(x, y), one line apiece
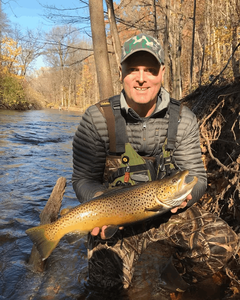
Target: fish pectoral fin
point(110, 231)
point(157, 208)
point(73, 237)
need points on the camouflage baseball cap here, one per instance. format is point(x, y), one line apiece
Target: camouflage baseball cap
point(143, 42)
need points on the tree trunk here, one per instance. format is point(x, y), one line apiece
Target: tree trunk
point(0, 35)
point(234, 25)
point(114, 31)
point(202, 64)
point(174, 30)
point(100, 49)
point(178, 63)
point(167, 74)
point(155, 20)
point(69, 91)
point(193, 42)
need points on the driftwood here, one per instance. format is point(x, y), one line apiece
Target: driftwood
point(49, 214)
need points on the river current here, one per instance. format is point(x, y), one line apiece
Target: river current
point(35, 150)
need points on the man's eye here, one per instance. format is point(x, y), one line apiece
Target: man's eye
point(151, 70)
point(133, 70)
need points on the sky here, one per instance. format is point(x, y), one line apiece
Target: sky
point(28, 14)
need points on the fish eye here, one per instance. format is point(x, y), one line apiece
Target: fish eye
point(174, 180)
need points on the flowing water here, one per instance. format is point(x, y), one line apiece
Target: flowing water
point(35, 150)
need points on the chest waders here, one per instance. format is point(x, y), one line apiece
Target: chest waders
point(124, 166)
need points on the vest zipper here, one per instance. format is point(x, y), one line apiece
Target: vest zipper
point(144, 132)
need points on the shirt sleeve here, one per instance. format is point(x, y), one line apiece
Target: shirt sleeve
point(188, 156)
point(89, 156)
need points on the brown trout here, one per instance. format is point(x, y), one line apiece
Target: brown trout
point(117, 207)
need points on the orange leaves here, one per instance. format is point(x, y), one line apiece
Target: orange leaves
point(10, 53)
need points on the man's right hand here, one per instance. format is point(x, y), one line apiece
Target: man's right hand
point(97, 230)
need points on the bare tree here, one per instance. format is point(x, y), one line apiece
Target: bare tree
point(166, 44)
point(193, 40)
point(114, 31)
point(31, 47)
point(59, 41)
point(100, 49)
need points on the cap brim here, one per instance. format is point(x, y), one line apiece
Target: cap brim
point(145, 50)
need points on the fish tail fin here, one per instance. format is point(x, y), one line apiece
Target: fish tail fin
point(40, 240)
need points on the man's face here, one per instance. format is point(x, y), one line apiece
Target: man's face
point(142, 78)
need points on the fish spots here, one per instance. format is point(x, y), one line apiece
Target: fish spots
point(119, 205)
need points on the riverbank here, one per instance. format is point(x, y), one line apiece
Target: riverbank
point(33, 107)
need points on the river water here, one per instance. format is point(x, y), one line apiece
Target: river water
point(35, 150)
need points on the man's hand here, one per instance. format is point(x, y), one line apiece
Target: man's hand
point(97, 230)
point(182, 205)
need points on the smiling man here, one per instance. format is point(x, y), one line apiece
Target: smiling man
point(137, 136)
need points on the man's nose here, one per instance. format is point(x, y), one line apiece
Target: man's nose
point(141, 76)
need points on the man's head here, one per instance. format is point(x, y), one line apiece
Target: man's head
point(142, 72)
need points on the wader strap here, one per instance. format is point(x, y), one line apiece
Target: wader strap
point(174, 113)
point(105, 107)
point(116, 124)
point(120, 125)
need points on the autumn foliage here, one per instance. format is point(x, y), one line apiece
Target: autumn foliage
point(11, 82)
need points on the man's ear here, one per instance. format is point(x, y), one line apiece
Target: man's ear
point(163, 69)
point(120, 73)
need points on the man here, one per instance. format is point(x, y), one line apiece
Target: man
point(144, 110)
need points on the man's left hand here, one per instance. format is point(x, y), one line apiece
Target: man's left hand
point(182, 205)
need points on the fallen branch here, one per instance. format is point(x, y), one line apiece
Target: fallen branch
point(216, 159)
point(213, 111)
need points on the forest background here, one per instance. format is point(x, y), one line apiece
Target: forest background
point(200, 39)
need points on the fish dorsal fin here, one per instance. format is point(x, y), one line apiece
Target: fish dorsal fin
point(65, 211)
